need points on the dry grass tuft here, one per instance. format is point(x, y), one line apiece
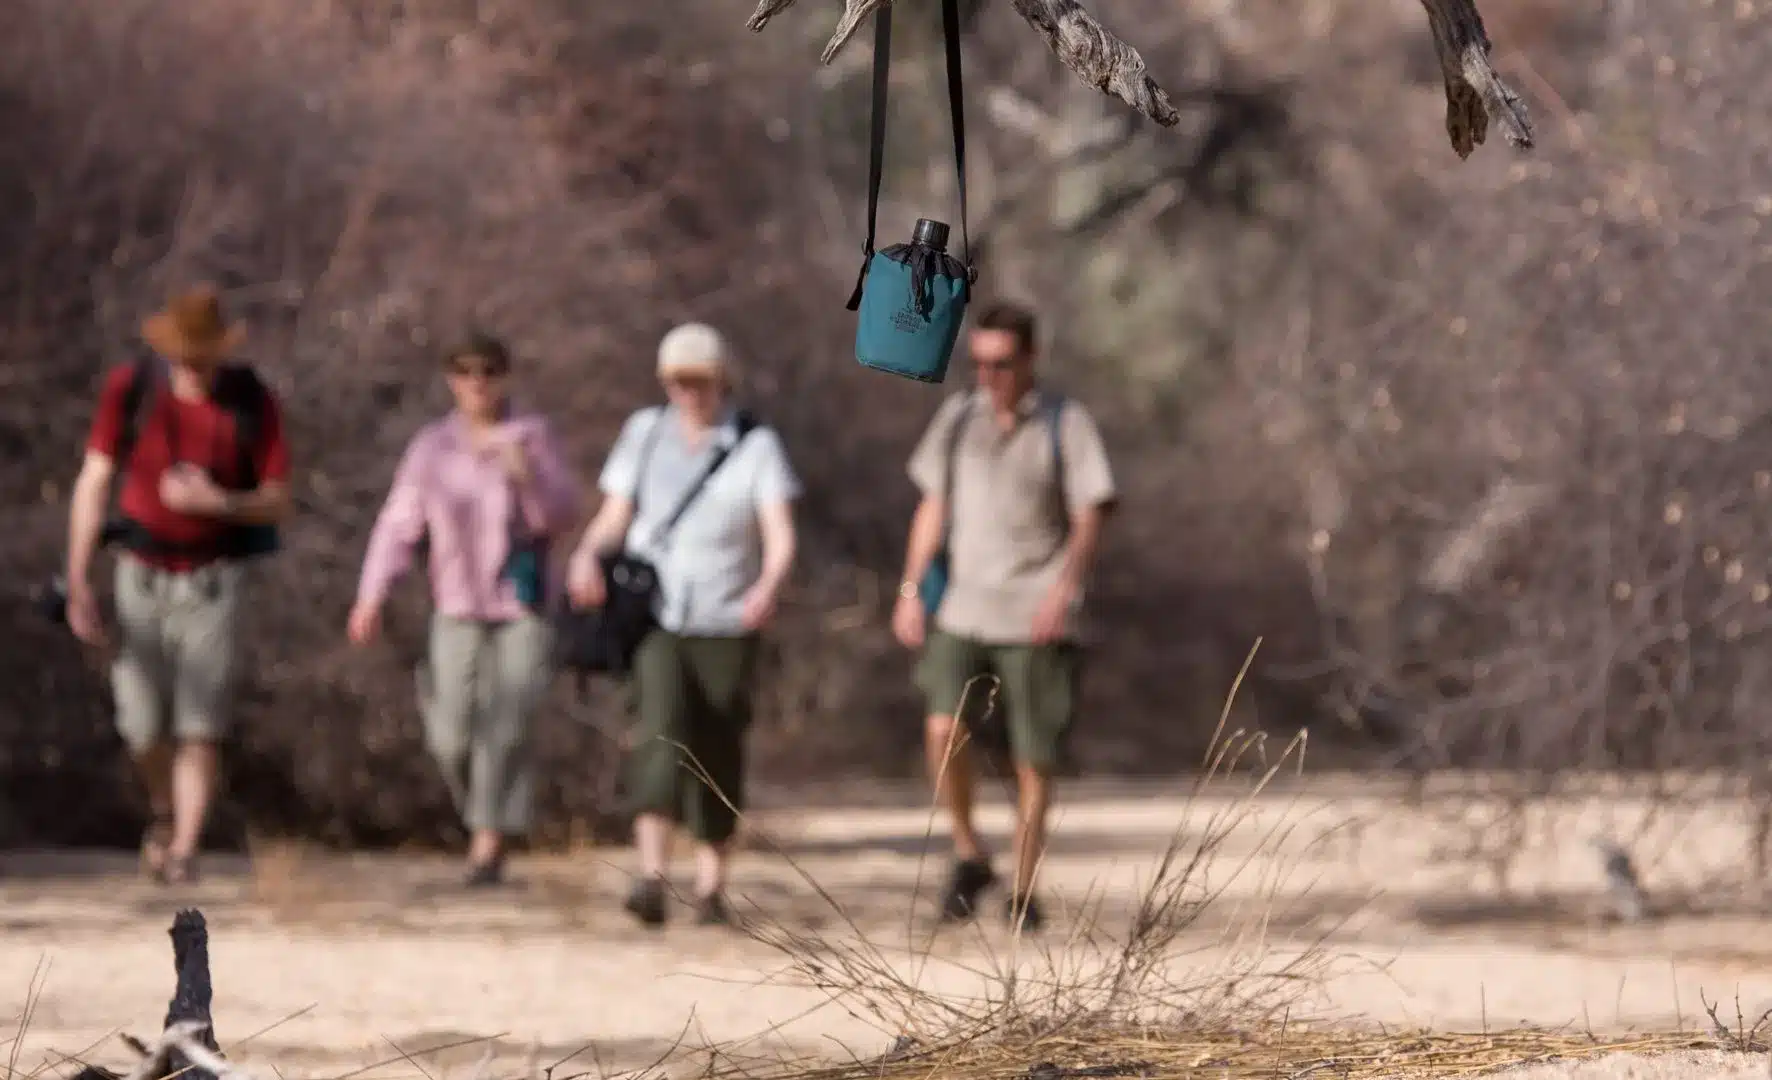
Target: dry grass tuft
point(1285, 1051)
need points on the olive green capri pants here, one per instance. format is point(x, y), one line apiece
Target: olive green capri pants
point(1036, 698)
point(692, 697)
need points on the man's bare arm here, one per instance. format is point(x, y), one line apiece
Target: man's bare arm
point(86, 516)
point(1079, 550)
point(925, 537)
point(267, 504)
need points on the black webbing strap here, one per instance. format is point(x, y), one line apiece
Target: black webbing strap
point(950, 36)
point(950, 33)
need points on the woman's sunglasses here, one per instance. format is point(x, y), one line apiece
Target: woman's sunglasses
point(474, 369)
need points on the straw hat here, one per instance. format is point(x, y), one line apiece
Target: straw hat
point(193, 327)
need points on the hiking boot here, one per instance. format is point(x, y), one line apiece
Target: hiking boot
point(969, 878)
point(1023, 913)
point(711, 910)
point(646, 901)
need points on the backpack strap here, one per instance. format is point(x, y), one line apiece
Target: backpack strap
point(955, 430)
point(1054, 408)
point(145, 373)
point(243, 394)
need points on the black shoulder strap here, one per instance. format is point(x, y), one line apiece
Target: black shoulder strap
point(243, 394)
point(950, 33)
point(1055, 429)
point(138, 396)
point(745, 424)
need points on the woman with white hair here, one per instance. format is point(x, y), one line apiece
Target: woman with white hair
point(720, 570)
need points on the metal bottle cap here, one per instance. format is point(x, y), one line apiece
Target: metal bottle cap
point(932, 233)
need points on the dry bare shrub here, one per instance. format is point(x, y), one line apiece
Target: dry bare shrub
point(366, 181)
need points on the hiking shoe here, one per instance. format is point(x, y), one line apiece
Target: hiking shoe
point(486, 873)
point(711, 910)
point(969, 878)
point(646, 901)
point(1023, 913)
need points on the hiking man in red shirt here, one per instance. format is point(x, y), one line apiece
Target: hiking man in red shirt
point(195, 444)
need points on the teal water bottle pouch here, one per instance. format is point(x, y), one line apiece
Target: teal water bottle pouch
point(911, 298)
point(912, 305)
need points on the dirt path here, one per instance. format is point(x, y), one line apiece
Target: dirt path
point(373, 953)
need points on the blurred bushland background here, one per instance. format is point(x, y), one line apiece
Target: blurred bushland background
point(1480, 451)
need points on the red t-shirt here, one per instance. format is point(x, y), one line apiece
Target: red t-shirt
point(172, 430)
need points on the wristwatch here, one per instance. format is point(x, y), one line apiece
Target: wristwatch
point(907, 590)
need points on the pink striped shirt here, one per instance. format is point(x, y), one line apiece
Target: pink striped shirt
point(470, 508)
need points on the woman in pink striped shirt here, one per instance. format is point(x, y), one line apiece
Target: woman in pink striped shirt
point(485, 492)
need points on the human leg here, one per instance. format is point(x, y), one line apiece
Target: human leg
point(449, 694)
point(953, 675)
point(1039, 694)
point(141, 687)
point(662, 702)
point(722, 672)
point(502, 789)
point(203, 622)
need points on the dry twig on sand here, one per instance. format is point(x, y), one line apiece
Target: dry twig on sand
point(1475, 94)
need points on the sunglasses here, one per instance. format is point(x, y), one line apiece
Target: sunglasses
point(468, 369)
point(689, 382)
point(994, 366)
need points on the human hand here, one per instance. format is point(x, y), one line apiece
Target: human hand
point(584, 581)
point(758, 606)
point(513, 457)
point(189, 489)
point(83, 616)
point(1050, 618)
point(909, 621)
point(364, 623)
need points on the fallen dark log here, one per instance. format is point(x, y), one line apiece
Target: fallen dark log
point(1475, 95)
point(186, 1047)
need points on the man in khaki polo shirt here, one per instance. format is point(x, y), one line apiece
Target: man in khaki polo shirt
point(1020, 531)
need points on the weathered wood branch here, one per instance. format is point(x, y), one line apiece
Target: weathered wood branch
point(1474, 93)
point(186, 1046)
point(1081, 43)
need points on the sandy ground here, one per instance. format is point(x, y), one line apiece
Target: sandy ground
point(327, 964)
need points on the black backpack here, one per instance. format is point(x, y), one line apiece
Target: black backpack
point(243, 395)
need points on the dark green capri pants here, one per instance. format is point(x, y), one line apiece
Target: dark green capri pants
point(694, 694)
point(1036, 699)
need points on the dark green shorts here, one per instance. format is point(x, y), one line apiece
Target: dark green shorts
point(1036, 698)
point(692, 696)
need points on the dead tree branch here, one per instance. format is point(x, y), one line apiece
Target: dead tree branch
point(1475, 94)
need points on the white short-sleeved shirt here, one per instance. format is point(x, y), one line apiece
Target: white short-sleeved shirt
point(715, 551)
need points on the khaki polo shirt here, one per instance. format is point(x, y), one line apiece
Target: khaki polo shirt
point(1006, 545)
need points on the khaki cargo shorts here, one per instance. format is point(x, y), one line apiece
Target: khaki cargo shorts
point(178, 637)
